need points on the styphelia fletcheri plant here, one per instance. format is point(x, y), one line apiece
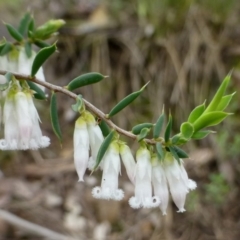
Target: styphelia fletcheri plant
point(158, 169)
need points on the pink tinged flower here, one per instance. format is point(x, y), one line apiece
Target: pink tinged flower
point(111, 169)
point(178, 181)
point(128, 161)
point(81, 147)
point(143, 188)
point(160, 186)
point(25, 65)
point(96, 139)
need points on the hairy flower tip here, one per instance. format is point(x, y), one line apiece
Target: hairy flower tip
point(107, 193)
point(192, 184)
point(111, 168)
point(143, 188)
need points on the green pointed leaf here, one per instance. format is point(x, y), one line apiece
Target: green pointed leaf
point(209, 119)
point(28, 49)
point(187, 130)
point(104, 127)
point(178, 140)
point(78, 105)
point(137, 129)
point(180, 152)
point(24, 22)
point(54, 117)
point(31, 27)
point(219, 94)
point(201, 134)
point(8, 76)
point(41, 44)
point(85, 79)
point(6, 49)
point(224, 102)
point(14, 32)
point(160, 151)
point(41, 57)
point(47, 29)
point(102, 150)
point(38, 92)
point(174, 154)
point(144, 132)
point(196, 113)
point(168, 129)
point(158, 126)
point(126, 101)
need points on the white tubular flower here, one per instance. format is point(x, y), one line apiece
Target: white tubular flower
point(37, 139)
point(128, 162)
point(25, 65)
point(11, 132)
point(160, 186)
point(81, 147)
point(25, 124)
point(21, 120)
point(143, 188)
point(111, 168)
point(96, 139)
point(178, 181)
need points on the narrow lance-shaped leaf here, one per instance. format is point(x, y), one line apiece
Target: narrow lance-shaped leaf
point(196, 113)
point(78, 105)
point(158, 126)
point(160, 151)
point(209, 119)
point(126, 101)
point(187, 130)
point(168, 129)
point(144, 132)
point(31, 27)
point(85, 79)
point(28, 49)
point(54, 117)
point(201, 134)
point(137, 129)
point(38, 92)
point(180, 152)
point(14, 32)
point(174, 153)
point(219, 94)
point(103, 148)
point(41, 57)
point(24, 22)
point(6, 49)
point(104, 127)
point(224, 102)
point(41, 44)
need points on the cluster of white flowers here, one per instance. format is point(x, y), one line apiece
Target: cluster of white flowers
point(147, 174)
point(20, 117)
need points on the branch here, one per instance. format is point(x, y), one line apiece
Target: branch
point(90, 107)
point(32, 227)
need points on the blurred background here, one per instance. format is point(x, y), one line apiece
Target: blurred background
point(185, 48)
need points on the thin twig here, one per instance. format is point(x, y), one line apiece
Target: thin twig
point(32, 227)
point(89, 106)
